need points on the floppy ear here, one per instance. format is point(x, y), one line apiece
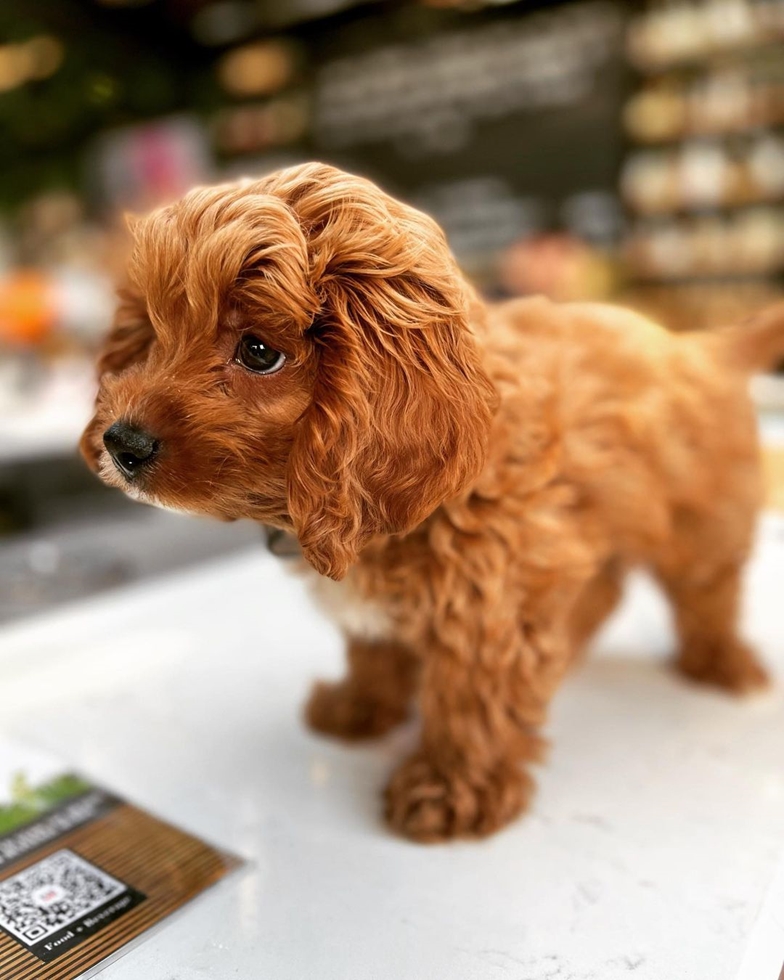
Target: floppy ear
point(129, 337)
point(402, 408)
point(127, 343)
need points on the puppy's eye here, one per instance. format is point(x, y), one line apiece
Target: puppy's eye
point(257, 357)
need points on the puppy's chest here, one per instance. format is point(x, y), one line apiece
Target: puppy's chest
point(357, 614)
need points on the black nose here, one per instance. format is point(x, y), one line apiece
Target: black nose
point(131, 449)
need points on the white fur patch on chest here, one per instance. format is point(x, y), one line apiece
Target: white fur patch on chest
point(356, 616)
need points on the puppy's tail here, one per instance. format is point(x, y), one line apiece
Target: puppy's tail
point(757, 343)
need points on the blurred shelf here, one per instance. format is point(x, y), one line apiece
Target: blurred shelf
point(697, 61)
point(718, 276)
point(701, 179)
point(645, 220)
point(748, 128)
point(712, 207)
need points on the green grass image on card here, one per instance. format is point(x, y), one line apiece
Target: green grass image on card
point(27, 803)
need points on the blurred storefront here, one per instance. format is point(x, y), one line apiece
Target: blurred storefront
point(595, 149)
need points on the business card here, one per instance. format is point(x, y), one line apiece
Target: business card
point(82, 871)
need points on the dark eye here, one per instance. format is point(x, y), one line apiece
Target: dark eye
point(257, 357)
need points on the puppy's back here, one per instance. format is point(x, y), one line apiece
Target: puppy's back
point(648, 422)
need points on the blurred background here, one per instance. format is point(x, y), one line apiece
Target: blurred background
point(596, 149)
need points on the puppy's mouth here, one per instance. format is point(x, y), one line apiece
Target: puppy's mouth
point(114, 476)
point(126, 460)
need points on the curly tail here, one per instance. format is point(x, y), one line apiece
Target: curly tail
point(755, 344)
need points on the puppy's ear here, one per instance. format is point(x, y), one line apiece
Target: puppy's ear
point(402, 408)
point(129, 337)
point(127, 343)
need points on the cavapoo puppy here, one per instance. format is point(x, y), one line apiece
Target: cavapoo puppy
point(469, 483)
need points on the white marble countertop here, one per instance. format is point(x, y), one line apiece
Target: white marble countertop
point(654, 838)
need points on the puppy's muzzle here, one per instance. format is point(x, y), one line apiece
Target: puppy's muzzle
point(131, 449)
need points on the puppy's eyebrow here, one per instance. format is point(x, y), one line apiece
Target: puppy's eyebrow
point(231, 319)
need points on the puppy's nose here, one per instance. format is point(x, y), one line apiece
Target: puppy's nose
point(131, 449)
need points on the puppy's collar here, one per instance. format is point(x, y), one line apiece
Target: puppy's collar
point(281, 543)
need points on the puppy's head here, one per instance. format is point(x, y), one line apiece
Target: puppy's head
point(295, 351)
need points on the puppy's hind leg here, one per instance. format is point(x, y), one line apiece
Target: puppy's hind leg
point(374, 696)
point(705, 588)
point(596, 601)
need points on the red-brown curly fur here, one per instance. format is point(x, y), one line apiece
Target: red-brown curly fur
point(480, 477)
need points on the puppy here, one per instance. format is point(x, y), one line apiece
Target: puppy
point(468, 483)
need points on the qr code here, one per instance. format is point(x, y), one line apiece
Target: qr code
point(53, 894)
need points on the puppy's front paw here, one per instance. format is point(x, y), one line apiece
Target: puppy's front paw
point(429, 805)
point(731, 665)
point(343, 711)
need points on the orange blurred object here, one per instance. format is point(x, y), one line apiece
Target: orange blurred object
point(27, 307)
point(556, 265)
